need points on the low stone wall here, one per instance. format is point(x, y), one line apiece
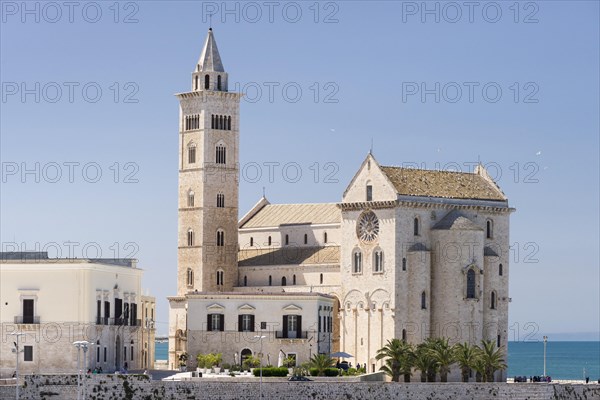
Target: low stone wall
point(133, 387)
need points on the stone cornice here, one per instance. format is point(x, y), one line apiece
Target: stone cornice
point(418, 204)
point(206, 93)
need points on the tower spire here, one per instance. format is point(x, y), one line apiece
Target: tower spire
point(210, 59)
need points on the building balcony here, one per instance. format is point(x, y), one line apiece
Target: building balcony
point(291, 335)
point(122, 321)
point(28, 319)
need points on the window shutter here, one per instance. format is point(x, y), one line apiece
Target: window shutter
point(240, 321)
point(252, 323)
point(221, 322)
point(285, 326)
point(299, 326)
point(209, 322)
point(107, 310)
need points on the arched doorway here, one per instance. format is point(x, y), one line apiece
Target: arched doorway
point(118, 353)
point(245, 354)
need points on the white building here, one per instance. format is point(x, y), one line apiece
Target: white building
point(56, 302)
point(407, 253)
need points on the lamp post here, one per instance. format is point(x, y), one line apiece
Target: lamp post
point(81, 344)
point(260, 337)
point(17, 350)
point(545, 342)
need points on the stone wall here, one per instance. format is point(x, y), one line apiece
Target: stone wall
point(132, 387)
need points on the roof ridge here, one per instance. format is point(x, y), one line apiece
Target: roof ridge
point(428, 170)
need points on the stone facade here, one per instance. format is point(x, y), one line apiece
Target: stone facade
point(106, 387)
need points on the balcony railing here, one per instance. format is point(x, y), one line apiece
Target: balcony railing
point(291, 335)
point(28, 319)
point(102, 320)
point(118, 321)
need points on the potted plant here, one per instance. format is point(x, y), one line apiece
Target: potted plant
point(250, 363)
point(216, 360)
point(290, 362)
point(183, 361)
point(201, 362)
point(226, 368)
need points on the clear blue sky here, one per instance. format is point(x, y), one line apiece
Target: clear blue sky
point(374, 58)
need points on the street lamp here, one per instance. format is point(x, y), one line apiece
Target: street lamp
point(545, 342)
point(81, 345)
point(17, 351)
point(260, 337)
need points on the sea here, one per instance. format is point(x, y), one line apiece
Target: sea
point(564, 360)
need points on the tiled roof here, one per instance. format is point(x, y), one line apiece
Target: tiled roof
point(289, 255)
point(447, 184)
point(454, 220)
point(273, 215)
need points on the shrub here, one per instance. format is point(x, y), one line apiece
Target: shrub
point(332, 372)
point(272, 371)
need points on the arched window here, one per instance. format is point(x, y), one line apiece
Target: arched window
point(404, 335)
point(212, 121)
point(423, 301)
point(269, 240)
point(192, 153)
point(190, 237)
point(489, 229)
point(294, 279)
point(190, 277)
point(283, 281)
point(220, 156)
point(287, 239)
point(493, 300)
point(219, 82)
point(220, 238)
point(196, 83)
point(357, 264)
point(378, 261)
point(416, 226)
point(404, 264)
point(220, 276)
point(251, 241)
point(245, 280)
point(220, 200)
point(324, 237)
point(369, 193)
point(270, 280)
point(191, 198)
point(305, 238)
point(500, 270)
point(321, 279)
point(206, 82)
point(229, 123)
point(471, 284)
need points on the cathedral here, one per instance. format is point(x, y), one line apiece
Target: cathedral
point(406, 253)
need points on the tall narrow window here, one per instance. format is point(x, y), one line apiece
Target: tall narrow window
point(471, 284)
point(270, 280)
point(97, 351)
point(246, 323)
point(498, 341)
point(294, 279)
point(321, 279)
point(190, 237)
point(489, 226)
point(283, 281)
point(287, 239)
point(404, 335)
point(220, 154)
point(220, 277)
point(206, 82)
point(324, 237)
point(251, 241)
point(190, 277)
point(27, 353)
point(220, 238)
point(357, 268)
point(28, 311)
point(305, 238)
point(229, 123)
point(220, 200)
point(423, 301)
point(404, 264)
point(219, 82)
point(500, 270)
point(245, 280)
point(192, 154)
point(493, 300)
point(269, 240)
point(190, 198)
point(212, 121)
point(369, 193)
point(416, 226)
point(196, 83)
point(378, 261)
point(215, 322)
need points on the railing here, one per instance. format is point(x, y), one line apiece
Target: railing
point(291, 335)
point(28, 319)
point(102, 320)
point(121, 322)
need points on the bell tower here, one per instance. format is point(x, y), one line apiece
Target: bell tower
point(208, 178)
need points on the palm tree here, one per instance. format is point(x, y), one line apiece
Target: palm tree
point(491, 358)
point(465, 355)
point(424, 362)
point(393, 353)
point(321, 362)
point(443, 356)
point(407, 362)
